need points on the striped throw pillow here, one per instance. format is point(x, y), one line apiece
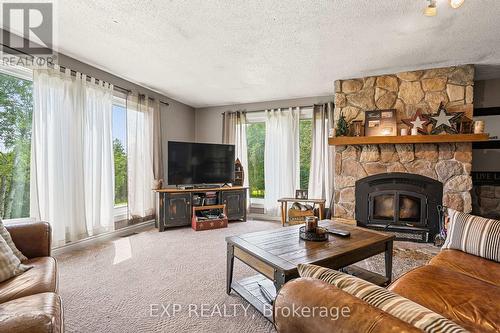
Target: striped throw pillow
point(10, 265)
point(383, 299)
point(4, 233)
point(472, 234)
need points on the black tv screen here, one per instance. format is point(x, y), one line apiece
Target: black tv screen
point(200, 163)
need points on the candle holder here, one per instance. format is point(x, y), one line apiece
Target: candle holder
point(311, 224)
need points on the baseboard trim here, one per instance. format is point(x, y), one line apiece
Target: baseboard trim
point(83, 243)
point(264, 217)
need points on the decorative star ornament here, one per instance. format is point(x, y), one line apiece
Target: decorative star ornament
point(418, 121)
point(444, 121)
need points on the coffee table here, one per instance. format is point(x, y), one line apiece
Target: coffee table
point(275, 255)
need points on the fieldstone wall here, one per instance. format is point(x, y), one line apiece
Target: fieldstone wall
point(406, 92)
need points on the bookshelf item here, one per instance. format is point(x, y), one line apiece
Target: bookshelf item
point(209, 217)
point(418, 121)
point(381, 123)
point(239, 173)
point(284, 207)
point(175, 206)
point(444, 121)
point(298, 213)
point(464, 126)
point(342, 126)
point(357, 128)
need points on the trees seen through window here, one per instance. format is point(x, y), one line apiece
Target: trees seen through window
point(256, 134)
point(16, 108)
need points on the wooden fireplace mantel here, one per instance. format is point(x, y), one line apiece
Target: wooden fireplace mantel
point(374, 140)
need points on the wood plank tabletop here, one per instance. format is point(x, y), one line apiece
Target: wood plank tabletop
point(284, 249)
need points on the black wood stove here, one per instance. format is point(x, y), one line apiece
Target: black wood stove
point(402, 203)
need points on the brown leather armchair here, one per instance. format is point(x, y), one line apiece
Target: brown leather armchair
point(29, 302)
point(459, 286)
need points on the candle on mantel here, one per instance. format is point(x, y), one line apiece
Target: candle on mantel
point(479, 126)
point(414, 131)
point(404, 132)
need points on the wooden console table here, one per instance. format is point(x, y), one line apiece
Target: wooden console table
point(284, 207)
point(175, 206)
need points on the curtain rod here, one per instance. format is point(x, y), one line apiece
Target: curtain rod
point(73, 72)
point(287, 107)
point(152, 98)
point(124, 90)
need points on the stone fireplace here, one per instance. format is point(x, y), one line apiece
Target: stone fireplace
point(447, 163)
point(403, 203)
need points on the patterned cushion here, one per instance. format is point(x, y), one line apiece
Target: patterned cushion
point(10, 265)
point(383, 299)
point(475, 235)
point(6, 235)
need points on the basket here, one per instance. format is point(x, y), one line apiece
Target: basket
point(312, 236)
point(299, 216)
point(206, 224)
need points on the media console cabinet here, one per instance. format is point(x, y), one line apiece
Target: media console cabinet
point(175, 206)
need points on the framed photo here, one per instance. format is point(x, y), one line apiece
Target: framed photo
point(301, 194)
point(381, 123)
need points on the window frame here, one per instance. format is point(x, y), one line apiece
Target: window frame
point(22, 73)
point(121, 210)
point(255, 117)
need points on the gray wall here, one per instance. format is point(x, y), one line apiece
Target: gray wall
point(177, 119)
point(487, 93)
point(208, 120)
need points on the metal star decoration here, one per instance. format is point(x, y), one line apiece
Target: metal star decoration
point(444, 121)
point(418, 121)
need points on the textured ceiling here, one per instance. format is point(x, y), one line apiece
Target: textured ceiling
point(207, 53)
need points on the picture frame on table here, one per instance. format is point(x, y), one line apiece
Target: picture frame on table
point(301, 194)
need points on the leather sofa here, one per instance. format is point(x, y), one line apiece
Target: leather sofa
point(29, 302)
point(459, 286)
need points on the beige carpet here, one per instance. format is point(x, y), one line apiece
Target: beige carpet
point(121, 285)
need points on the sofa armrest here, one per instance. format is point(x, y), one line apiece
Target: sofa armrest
point(321, 307)
point(32, 239)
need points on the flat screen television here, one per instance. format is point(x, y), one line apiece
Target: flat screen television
point(200, 163)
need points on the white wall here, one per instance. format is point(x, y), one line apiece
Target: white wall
point(208, 120)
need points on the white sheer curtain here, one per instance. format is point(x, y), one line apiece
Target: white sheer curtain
point(235, 132)
point(281, 157)
point(72, 183)
point(240, 142)
point(141, 179)
point(321, 173)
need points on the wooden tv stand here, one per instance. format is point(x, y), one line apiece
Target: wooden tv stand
point(175, 205)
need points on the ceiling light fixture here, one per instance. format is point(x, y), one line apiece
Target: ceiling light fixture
point(456, 3)
point(431, 9)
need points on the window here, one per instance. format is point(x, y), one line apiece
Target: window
point(256, 135)
point(16, 108)
point(120, 151)
point(305, 146)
